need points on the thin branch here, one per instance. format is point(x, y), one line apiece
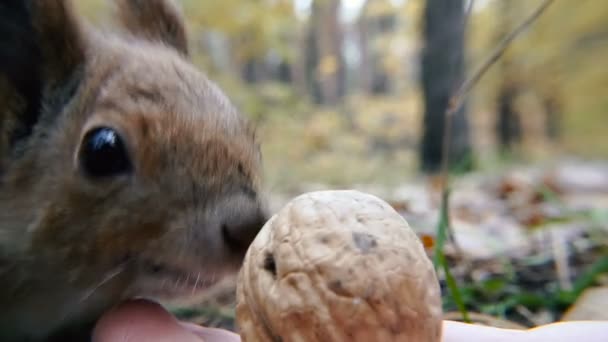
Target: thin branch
point(447, 137)
point(457, 100)
point(447, 133)
point(465, 88)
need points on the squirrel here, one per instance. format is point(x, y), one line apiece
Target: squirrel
point(124, 171)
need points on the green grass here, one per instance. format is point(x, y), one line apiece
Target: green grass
point(439, 259)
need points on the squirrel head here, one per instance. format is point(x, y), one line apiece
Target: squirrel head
point(124, 171)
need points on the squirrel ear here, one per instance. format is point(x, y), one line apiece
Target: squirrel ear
point(60, 38)
point(155, 20)
point(42, 48)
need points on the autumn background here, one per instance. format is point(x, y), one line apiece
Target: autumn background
point(353, 94)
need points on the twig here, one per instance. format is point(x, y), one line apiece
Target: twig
point(456, 102)
point(560, 257)
point(447, 133)
point(447, 137)
point(458, 98)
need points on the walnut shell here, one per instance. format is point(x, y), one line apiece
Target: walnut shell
point(338, 266)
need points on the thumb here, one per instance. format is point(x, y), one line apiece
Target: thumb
point(141, 320)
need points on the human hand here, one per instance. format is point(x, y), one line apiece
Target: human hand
point(141, 320)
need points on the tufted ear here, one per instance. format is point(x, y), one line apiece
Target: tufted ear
point(40, 52)
point(155, 20)
point(60, 38)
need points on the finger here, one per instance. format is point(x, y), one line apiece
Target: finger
point(212, 334)
point(141, 320)
point(587, 331)
point(458, 332)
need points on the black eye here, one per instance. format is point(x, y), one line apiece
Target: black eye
point(103, 153)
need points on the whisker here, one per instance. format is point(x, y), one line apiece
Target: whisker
point(175, 284)
point(195, 287)
point(111, 275)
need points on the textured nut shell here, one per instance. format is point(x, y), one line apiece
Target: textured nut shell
point(348, 268)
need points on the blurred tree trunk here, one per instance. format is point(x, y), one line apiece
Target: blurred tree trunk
point(365, 64)
point(311, 59)
point(374, 78)
point(300, 70)
point(325, 61)
point(508, 124)
point(553, 114)
point(284, 71)
point(442, 72)
point(253, 70)
point(257, 70)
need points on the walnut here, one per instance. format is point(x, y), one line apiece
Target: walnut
point(338, 266)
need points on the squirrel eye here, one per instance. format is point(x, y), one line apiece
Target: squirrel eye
point(103, 153)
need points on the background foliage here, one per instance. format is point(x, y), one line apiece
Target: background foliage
point(261, 52)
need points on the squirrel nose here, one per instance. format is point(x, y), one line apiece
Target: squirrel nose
point(239, 230)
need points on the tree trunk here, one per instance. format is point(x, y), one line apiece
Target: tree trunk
point(325, 46)
point(442, 72)
point(553, 116)
point(374, 79)
point(365, 63)
point(253, 70)
point(284, 72)
point(311, 59)
point(508, 125)
point(300, 70)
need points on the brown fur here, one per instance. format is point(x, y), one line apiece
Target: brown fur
point(141, 17)
point(72, 246)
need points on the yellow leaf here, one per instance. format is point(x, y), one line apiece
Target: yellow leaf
point(328, 65)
